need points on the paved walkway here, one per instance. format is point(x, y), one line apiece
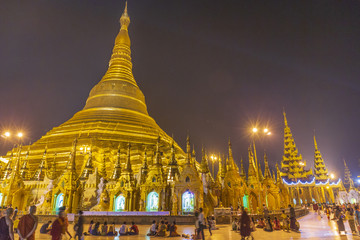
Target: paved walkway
point(311, 225)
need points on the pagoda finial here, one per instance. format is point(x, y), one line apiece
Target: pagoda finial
point(125, 19)
point(267, 173)
point(285, 119)
point(315, 143)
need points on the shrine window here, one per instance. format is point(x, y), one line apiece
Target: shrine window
point(154, 179)
point(187, 179)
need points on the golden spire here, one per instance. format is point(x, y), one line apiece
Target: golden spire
point(24, 168)
point(242, 169)
point(117, 169)
point(204, 162)
point(173, 158)
point(315, 143)
point(128, 162)
point(188, 150)
point(103, 172)
point(231, 163)
point(285, 119)
point(267, 173)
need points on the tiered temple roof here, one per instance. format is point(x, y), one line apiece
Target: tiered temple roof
point(292, 164)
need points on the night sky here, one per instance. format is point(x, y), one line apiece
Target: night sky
point(208, 67)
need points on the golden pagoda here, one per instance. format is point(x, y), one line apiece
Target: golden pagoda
point(115, 113)
point(112, 132)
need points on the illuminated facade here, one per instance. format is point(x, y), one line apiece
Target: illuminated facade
point(112, 156)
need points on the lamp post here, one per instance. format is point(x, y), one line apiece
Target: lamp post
point(213, 160)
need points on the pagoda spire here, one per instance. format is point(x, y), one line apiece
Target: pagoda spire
point(173, 161)
point(8, 169)
point(173, 172)
point(278, 174)
point(252, 171)
point(231, 163)
point(16, 170)
point(40, 173)
point(204, 163)
point(72, 165)
point(24, 168)
point(292, 163)
point(157, 159)
point(51, 171)
point(188, 150)
point(128, 162)
point(348, 182)
point(267, 173)
point(89, 168)
point(321, 172)
point(144, 169)
point(117, 169)
point(242, 169)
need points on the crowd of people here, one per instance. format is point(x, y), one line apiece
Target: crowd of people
point(246, 224)
point(26, 226)
point(343, 213)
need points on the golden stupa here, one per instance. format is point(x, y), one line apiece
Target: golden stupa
point(114, 115)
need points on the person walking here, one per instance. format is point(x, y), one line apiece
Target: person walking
point(201, 219)
point(339, 220)
point(266, 212)
point(6, 225)
point(245, 225)
point(79, 226)
point(27, 225)
point(59, 227)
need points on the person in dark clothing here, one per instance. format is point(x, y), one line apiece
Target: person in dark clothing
point(79, 226)
point(45, 228)
point(245, 225)
point(292, 218)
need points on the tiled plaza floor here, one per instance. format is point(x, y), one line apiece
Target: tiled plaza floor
point(312, 227)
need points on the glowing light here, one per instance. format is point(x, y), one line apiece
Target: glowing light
point(269, 133)
point(302, 164)
point(358, 180)
point(332, 176)
point(213, 158)
point(7, 134)
point(254, 130)
point(266, 130)
point(88, 148)
point(20, 134)
point(81, 148)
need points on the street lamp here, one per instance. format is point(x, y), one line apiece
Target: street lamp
point(213, 160)
point(8, 134)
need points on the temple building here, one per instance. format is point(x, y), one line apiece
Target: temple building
point(112, 156)
point(306, 186)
